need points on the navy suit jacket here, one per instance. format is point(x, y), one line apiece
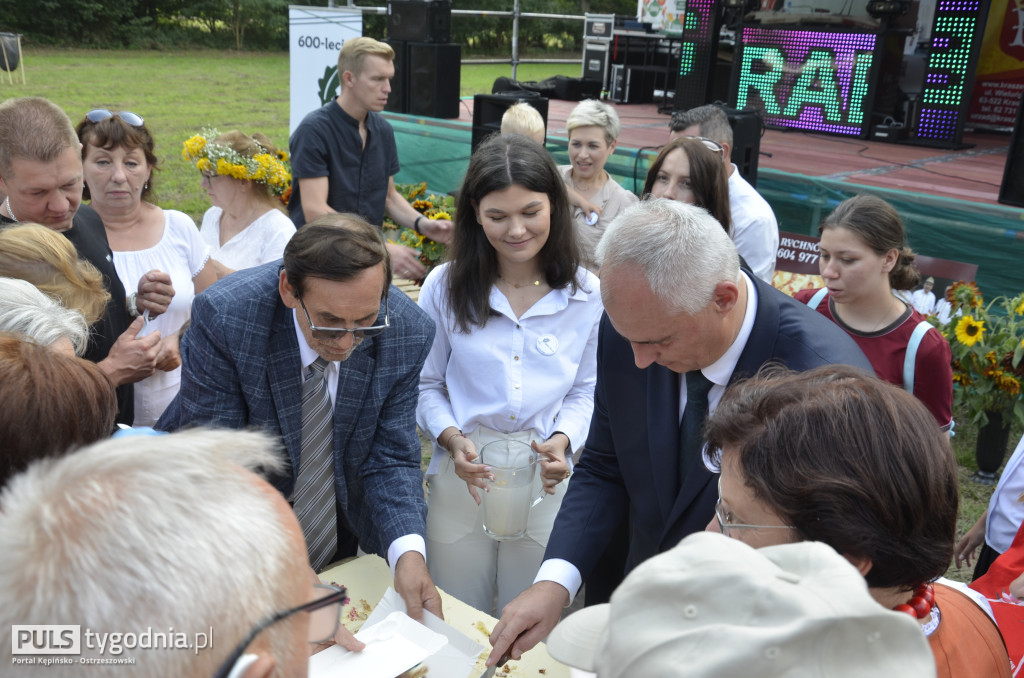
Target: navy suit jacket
point(241, 368)
point(629, 468)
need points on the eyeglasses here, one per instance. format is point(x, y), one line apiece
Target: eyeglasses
point(339, 332)
point(324, 617)
point(725, 524)
point(709, 144)
point(101, 114)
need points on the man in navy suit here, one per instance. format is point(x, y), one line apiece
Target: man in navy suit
point(255, 335)
point(676, 301)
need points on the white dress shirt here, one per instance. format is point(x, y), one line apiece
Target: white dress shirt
point(718, 373)
point(307, 356)
point(1005, 510)
point(536, 372)
point(754, 227)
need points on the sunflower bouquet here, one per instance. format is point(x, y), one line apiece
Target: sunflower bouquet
point(431, 206)
point(986, 342)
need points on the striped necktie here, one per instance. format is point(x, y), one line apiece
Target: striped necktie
point(314, 500)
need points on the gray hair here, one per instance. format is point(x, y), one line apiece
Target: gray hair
point(157, 533)
point(26, 311)
point(712, 120)
point(593, 112)
point(35, 129)
point(682, 251)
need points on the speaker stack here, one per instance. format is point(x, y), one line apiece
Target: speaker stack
point(427, 63)
point(1011, 192)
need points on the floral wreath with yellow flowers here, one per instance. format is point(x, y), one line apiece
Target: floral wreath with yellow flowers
point(268, 168)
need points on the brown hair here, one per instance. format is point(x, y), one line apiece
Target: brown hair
point(879, 226)
point(249, 146)
point(49, 261)
point(708, 177)
point(335, 247)
point(51, 403)
point(848, 460)
point(35, 129)
point(354, 52)
point(113, 132)
point(500, 162)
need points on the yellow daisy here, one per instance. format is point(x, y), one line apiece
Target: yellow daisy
point(969, 331)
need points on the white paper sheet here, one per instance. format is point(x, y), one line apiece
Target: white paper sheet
point(393, 645)
point(454, 660)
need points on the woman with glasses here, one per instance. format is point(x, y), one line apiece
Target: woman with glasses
point(514, 357)
point(863, 258)
point(118, 162)
point(246, 177)
point(837, 456)
point(593, 127)
point(690, 170)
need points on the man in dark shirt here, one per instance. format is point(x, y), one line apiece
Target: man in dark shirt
point(344, 156)
point(41, 173)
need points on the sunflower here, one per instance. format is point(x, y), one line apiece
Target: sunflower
point(1008, 384)
point(440, 214)
point(1020, 308)
point(969, 331)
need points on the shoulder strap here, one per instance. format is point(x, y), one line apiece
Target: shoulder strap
point(911, 357)
point(816, 299)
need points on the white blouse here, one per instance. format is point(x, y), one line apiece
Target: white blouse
point(260, 242)
point(182, 254)
point(535, 372)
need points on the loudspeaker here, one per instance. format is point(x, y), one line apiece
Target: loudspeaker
point(420, 20)
point(1011, 191)
point(746, 141)
point(595, 61)
point(434, 78)
point(489, 108)
point(398, 100)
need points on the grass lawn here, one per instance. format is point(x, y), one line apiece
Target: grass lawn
point(179, 93)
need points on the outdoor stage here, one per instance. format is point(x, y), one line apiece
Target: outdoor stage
point(948, 198)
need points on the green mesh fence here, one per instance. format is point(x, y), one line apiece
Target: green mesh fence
point(990, 236)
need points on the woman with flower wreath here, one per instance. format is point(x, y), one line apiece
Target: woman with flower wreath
point(863, 258)
point(118, 162)
point(514, 357)
point(246, 177)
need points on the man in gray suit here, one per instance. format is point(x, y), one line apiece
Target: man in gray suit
point(329, 317)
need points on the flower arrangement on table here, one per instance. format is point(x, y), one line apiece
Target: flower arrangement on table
point(987, 347)
point(431, 206)
point(268, 168)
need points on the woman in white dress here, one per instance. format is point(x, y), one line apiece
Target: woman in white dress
point(593, 128)
point(514, 357)
point(118, 161)
point(245, 177)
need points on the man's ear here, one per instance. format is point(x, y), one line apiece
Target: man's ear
point(287, 292)
point(727, 152)
point(251, 665)
point(725, 296)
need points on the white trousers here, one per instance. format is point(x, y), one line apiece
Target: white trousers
point(467, 563)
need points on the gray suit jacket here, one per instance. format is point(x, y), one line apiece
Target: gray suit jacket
point(241, 368)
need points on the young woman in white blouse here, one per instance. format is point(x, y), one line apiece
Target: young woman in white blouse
point(514, 357)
